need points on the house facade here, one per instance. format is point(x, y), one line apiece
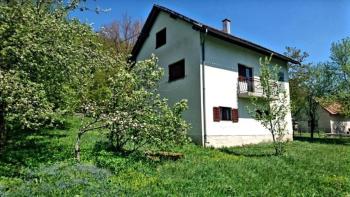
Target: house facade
point(215, 71)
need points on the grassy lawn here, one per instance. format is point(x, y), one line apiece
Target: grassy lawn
point(42, 164)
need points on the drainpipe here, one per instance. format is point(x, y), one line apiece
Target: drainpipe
point(204, 125)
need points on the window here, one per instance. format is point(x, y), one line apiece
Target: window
point(177, 70)
point(281, 76)
point(225, 113)
point(160, 38)
point(244, 71)
point(246, 76)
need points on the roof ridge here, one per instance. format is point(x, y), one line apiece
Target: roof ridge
point(201, 26)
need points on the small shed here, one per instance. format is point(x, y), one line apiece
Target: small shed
point(333, 120)
point(330, 119)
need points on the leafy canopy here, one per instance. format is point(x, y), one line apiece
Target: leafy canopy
point(131, 111)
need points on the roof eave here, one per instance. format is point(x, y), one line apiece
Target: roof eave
point(246, 44)
point(199, 26)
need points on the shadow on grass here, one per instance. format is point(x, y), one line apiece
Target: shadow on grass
point(248, 152)
point(106, 157)
point(28, 149)
point(335, 140)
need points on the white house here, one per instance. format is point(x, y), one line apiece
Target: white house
point(214, 70)
point(330, 120)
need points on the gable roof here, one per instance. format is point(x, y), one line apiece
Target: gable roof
point(201, 27)
point(334, 108)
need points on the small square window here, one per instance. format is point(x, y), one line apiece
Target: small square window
point(225, 113)
point(160, 38)
point(177, 70)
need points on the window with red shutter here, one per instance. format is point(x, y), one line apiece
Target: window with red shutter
point(216, 114)
point(235, 115)
point(225, 113)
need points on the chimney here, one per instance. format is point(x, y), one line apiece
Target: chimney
point(226, 26)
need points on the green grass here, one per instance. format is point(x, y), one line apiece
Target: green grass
point(42, 164)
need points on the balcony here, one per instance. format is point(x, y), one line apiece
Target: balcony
point(249, 86)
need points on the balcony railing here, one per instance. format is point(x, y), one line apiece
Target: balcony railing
point(251, 86)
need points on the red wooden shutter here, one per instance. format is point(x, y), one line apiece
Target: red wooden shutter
point(234, 115)
point(216, 114)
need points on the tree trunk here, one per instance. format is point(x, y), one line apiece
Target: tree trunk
point(312, 127)
point(2, 126)
point(274, 138)
point(77, 146)
point(312, 116)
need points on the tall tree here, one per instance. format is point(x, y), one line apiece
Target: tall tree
point(340, 57)
point(308, 84)
point(44, 57)
point(122, 35)
point(297, 77)
point(340, 61)
point(320, 85)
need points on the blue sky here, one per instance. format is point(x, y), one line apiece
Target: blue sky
point(311, 25)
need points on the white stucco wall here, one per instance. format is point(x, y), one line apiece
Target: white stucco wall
point(221, 78)
point(182, 42)
point(340, 125)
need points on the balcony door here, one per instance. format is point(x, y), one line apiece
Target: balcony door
point(245, 77)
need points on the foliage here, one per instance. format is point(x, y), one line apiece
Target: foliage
point(340, 61)
point(327, 82)
point(45, 47)
point(52, 50)
point(320, 84)
point(298, 74)
point(297, 71)
point(128, 106)
point(236, 171)
point(340, 56)
point(33, 45)
point(50, 56)
point(309, 83)
point(272, 108)
point(26, 106)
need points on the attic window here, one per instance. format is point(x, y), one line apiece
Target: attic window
point(160, 38)
point(177, 70)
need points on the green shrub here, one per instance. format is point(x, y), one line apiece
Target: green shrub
point(130, 110)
